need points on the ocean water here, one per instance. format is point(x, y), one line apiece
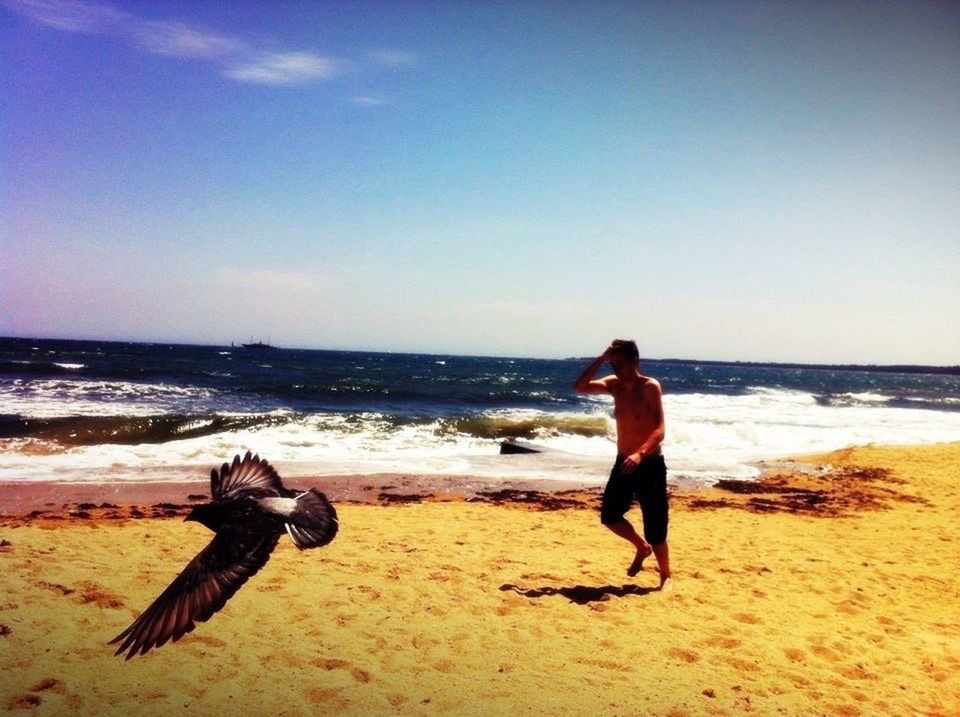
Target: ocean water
point(90, 411)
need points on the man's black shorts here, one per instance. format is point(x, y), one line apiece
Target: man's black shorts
point(648, 485)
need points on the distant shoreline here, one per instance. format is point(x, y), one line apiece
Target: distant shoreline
point(875, 368)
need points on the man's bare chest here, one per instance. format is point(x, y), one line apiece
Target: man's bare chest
point(632, 404)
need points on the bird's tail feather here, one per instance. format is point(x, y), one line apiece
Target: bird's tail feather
point(313, 522)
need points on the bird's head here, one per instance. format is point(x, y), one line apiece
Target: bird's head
point(206, 514)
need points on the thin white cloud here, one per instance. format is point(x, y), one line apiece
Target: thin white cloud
point(176, 39)
point(285, 68)
point(235, 58)
point(71, 15)
point(368, 101)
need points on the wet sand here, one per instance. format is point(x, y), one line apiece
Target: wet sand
point(829, 588)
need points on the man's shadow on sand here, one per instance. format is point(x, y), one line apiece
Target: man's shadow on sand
point(581, 594)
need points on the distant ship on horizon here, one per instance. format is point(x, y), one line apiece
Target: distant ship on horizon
point(258, 345)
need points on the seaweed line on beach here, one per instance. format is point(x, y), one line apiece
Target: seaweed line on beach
point(827, 493)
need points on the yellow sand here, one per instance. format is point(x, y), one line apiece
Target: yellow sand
point(469, 608)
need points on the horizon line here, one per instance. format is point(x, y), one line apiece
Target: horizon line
point(949, 369)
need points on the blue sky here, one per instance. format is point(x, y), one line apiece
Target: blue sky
point(747, 181)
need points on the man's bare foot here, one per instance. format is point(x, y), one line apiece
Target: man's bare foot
point(666, 584)
point(643, 552)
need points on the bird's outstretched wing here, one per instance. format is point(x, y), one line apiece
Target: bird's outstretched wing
point(252, 474)
point(204, 586)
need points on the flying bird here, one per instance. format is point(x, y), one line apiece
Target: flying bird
point(248, 514)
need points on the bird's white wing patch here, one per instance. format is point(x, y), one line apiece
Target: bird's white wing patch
point(280, 506)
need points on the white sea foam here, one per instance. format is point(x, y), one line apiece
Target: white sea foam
point(866, 397)
point(709, 436)
point(52, 398)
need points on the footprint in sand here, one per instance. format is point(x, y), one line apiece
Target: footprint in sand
point(727, 643)
point(329, 664)
point(55, 587)
point(24, 702)
point(329, 697)
point(858, 672)
point(794, 655)
point(891, 626)
point(825, 652)
point(272, 585)
point(747, 618)
point(396, 699)
point(29, 701)
point(205, 640)
point(853, 606)
point(740, 665)
point(934, 670)
point(344, 619)
point(95, 594)
point(617, 667)
point(543, 577)
point(844, 710)
point(682, 655)
point(47, 683)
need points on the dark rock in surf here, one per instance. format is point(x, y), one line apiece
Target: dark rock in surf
point(512, 447)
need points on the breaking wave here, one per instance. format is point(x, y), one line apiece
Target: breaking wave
point(127, 430)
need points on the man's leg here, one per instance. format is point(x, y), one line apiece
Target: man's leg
point(655, 507)
point(617, 497)
point(662, 553)
point(625, 530)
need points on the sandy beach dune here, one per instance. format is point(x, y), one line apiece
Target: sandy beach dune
point(827, 592)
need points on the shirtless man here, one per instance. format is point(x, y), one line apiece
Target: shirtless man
point(639, 471)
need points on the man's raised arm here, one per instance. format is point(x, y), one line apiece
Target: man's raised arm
point(586, 383)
